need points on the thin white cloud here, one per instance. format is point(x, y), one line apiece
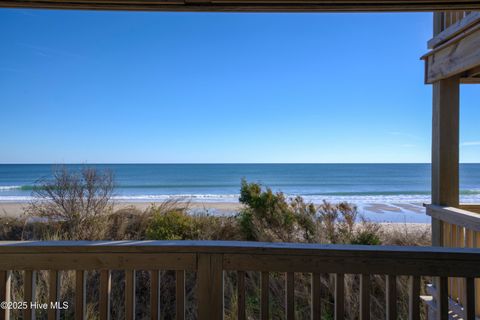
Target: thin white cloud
point(470, 143)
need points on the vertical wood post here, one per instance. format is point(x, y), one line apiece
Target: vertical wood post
point(105, 290)
point(241, 295)
point(130, 294)
point(391, 297)
point(210, 286)
point(445, 155)
point(5, 284)
point(155, 294)
point(80, 295)
point(29, 290)
point(54, 294)
point(316, 297)
point(180, 294)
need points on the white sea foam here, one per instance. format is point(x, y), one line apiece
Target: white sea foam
point(6, 188)
point(359, 199)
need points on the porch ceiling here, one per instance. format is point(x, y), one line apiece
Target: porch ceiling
point(249, 5)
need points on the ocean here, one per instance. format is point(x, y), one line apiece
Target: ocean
point(390, 185)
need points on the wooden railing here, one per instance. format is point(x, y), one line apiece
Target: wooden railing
point(449, 24)
point(461, 229)
point(209, 259)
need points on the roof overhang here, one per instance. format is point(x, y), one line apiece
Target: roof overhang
point(250, 5)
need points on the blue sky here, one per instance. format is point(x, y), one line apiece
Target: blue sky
point(78, 86)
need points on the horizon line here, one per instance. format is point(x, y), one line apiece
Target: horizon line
point(206, 163)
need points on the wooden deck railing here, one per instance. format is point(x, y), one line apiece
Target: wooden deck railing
point(209, 259)
point(461, 229)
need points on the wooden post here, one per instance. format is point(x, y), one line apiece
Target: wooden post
point(210, 286)
point(5, 283)
point(445, 156)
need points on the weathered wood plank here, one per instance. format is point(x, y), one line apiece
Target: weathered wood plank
point(316, 312)
point(365, 297)
point(53, 293)
point(99, 261)
point(456, 216)
point(469, 303)
point(454, 57)
point(251, 6)
point(155, 294)
point(290, 295)
point(80, 295)
point(241, 295)
point(180, 295)
point(414, 298)
point(210, 286)
point(470, 207)
point(29, 289)
point(339, 296)
point(5, 293)
point(442, 299)
point(377, 263)
point(129, 294)
point(264, 293)
point(105, 290)
point(391, 297)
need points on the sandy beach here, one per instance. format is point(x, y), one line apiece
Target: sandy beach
point(15, 209)
point(411, 213)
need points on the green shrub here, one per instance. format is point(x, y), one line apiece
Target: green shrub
point(367, 237)
point(270, 216)
point(171, 225)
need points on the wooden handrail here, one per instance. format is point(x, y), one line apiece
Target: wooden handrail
point(209, 259)
point(456, 216)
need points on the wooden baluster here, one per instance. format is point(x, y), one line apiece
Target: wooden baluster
point(54, 294)
point(364, 297)
point(290, 295)
point(339, 296)
point(129, 294)
point(414, 298)
point(29, 284)
point(442, 299)
point(105, 290)
point(461, 281)
point(448, 19)
point(80, 295)
point(316, 312)
point(391, 297)
point(453, 281)
point(265, 286)
point(469, 303)
point(180, 294)
point(476, 244)
point(5, 284)
point(210, 286)
point(241, 295)
point(155, 295)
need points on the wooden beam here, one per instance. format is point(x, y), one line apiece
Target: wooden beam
point(442, 36)
point(454, 57)
point(250, 5)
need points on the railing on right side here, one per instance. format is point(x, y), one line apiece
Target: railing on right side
point(461, 229)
